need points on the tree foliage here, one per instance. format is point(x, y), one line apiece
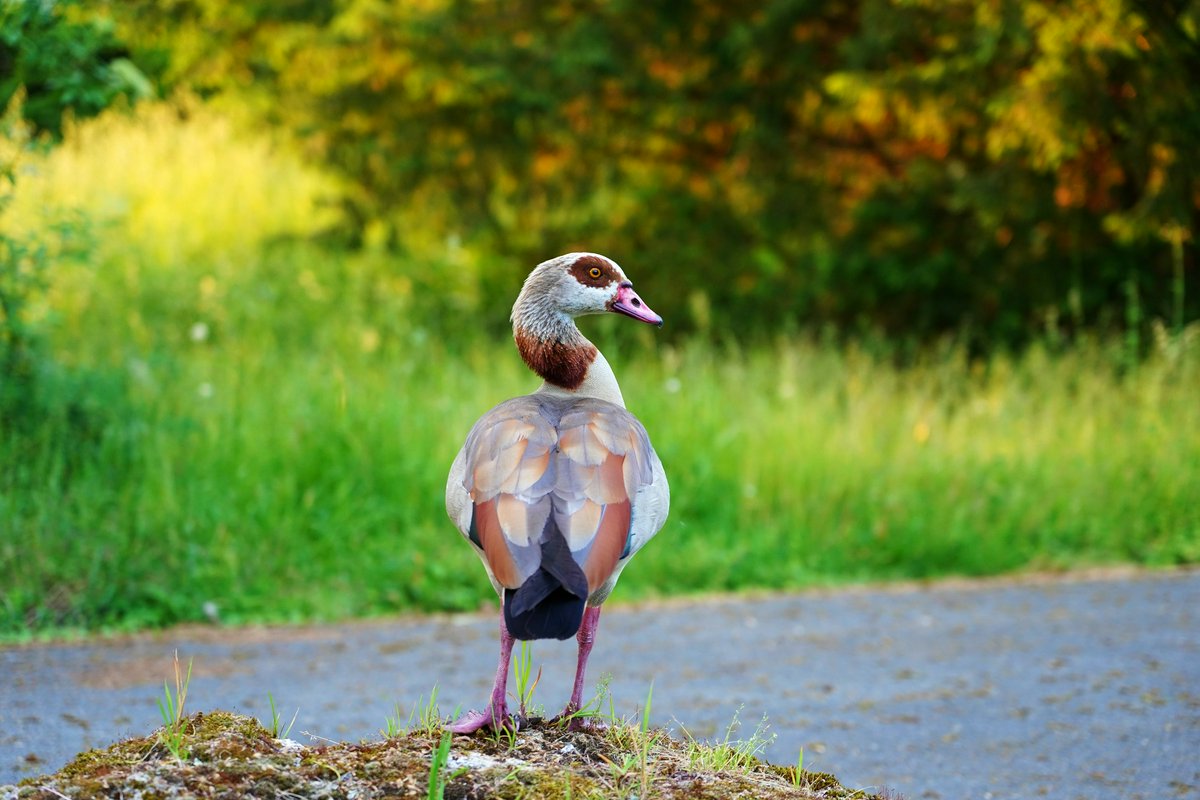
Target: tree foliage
point(63, 62)
point(907, 166)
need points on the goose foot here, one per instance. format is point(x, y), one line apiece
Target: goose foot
point(496, 717)
point(478, 720)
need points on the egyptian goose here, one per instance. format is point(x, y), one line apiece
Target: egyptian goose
point(556, 490)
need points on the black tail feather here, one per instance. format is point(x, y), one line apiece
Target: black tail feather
point(555, 616)
point(549, 605)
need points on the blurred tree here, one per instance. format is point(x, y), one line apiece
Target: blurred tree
point(63, 61)
point(54, 63)
point(908, 166)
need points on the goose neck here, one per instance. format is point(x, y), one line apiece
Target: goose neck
point(567, 362)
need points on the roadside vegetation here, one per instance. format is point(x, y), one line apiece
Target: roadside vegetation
point(222, 416)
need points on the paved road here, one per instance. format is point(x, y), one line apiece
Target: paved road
point(1078, 688)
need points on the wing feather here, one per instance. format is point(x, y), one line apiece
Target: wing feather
point(579, 524)
point(496, 550)
point(609, 544)
point(580, 462)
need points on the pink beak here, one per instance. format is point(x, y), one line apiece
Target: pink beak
point(628, 303)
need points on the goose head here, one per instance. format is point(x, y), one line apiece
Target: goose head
point(543, 318)
point(574, 285)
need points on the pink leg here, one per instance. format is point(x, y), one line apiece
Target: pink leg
point(497, 714)
point(586, 638)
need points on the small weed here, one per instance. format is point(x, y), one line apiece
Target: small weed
point(170, 706)
point(638, 739)
point(728, 754)
point(522, 668)
point(393, 726)
point(505, 736)
point(620, 772)
point(646, 710)
point(424, 718)
point(799, 768)
point(274, 729)
point(594, 708)
point(427, 719)
point(646, 743)
point(437, 768)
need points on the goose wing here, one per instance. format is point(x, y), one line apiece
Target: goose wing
point(537, 467)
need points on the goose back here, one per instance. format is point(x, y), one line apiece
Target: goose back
point(556, 493)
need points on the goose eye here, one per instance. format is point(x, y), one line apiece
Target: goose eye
point(594, 272)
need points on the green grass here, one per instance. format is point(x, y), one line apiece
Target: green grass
point(277, 729)
point(424, 717)
point(438, 774)
point(733, 754)
point(172, 735)
point(289, 483)
point(260, 429)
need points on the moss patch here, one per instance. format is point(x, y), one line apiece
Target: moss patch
point(234, 756)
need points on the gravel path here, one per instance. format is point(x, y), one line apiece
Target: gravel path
point(1087, 687)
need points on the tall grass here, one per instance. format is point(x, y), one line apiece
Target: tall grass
point(272, 430)
point(804, 463)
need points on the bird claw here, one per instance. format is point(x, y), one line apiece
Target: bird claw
point(478, 720)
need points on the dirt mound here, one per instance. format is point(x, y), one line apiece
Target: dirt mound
point(223, 755)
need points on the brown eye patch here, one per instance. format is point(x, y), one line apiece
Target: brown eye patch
point(593, 271)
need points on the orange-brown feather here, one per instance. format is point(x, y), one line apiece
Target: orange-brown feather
point(608, 544)
point(608, 485)
point(599, 461)
point(491, 536)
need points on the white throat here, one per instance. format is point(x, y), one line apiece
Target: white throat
point(600, 382)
